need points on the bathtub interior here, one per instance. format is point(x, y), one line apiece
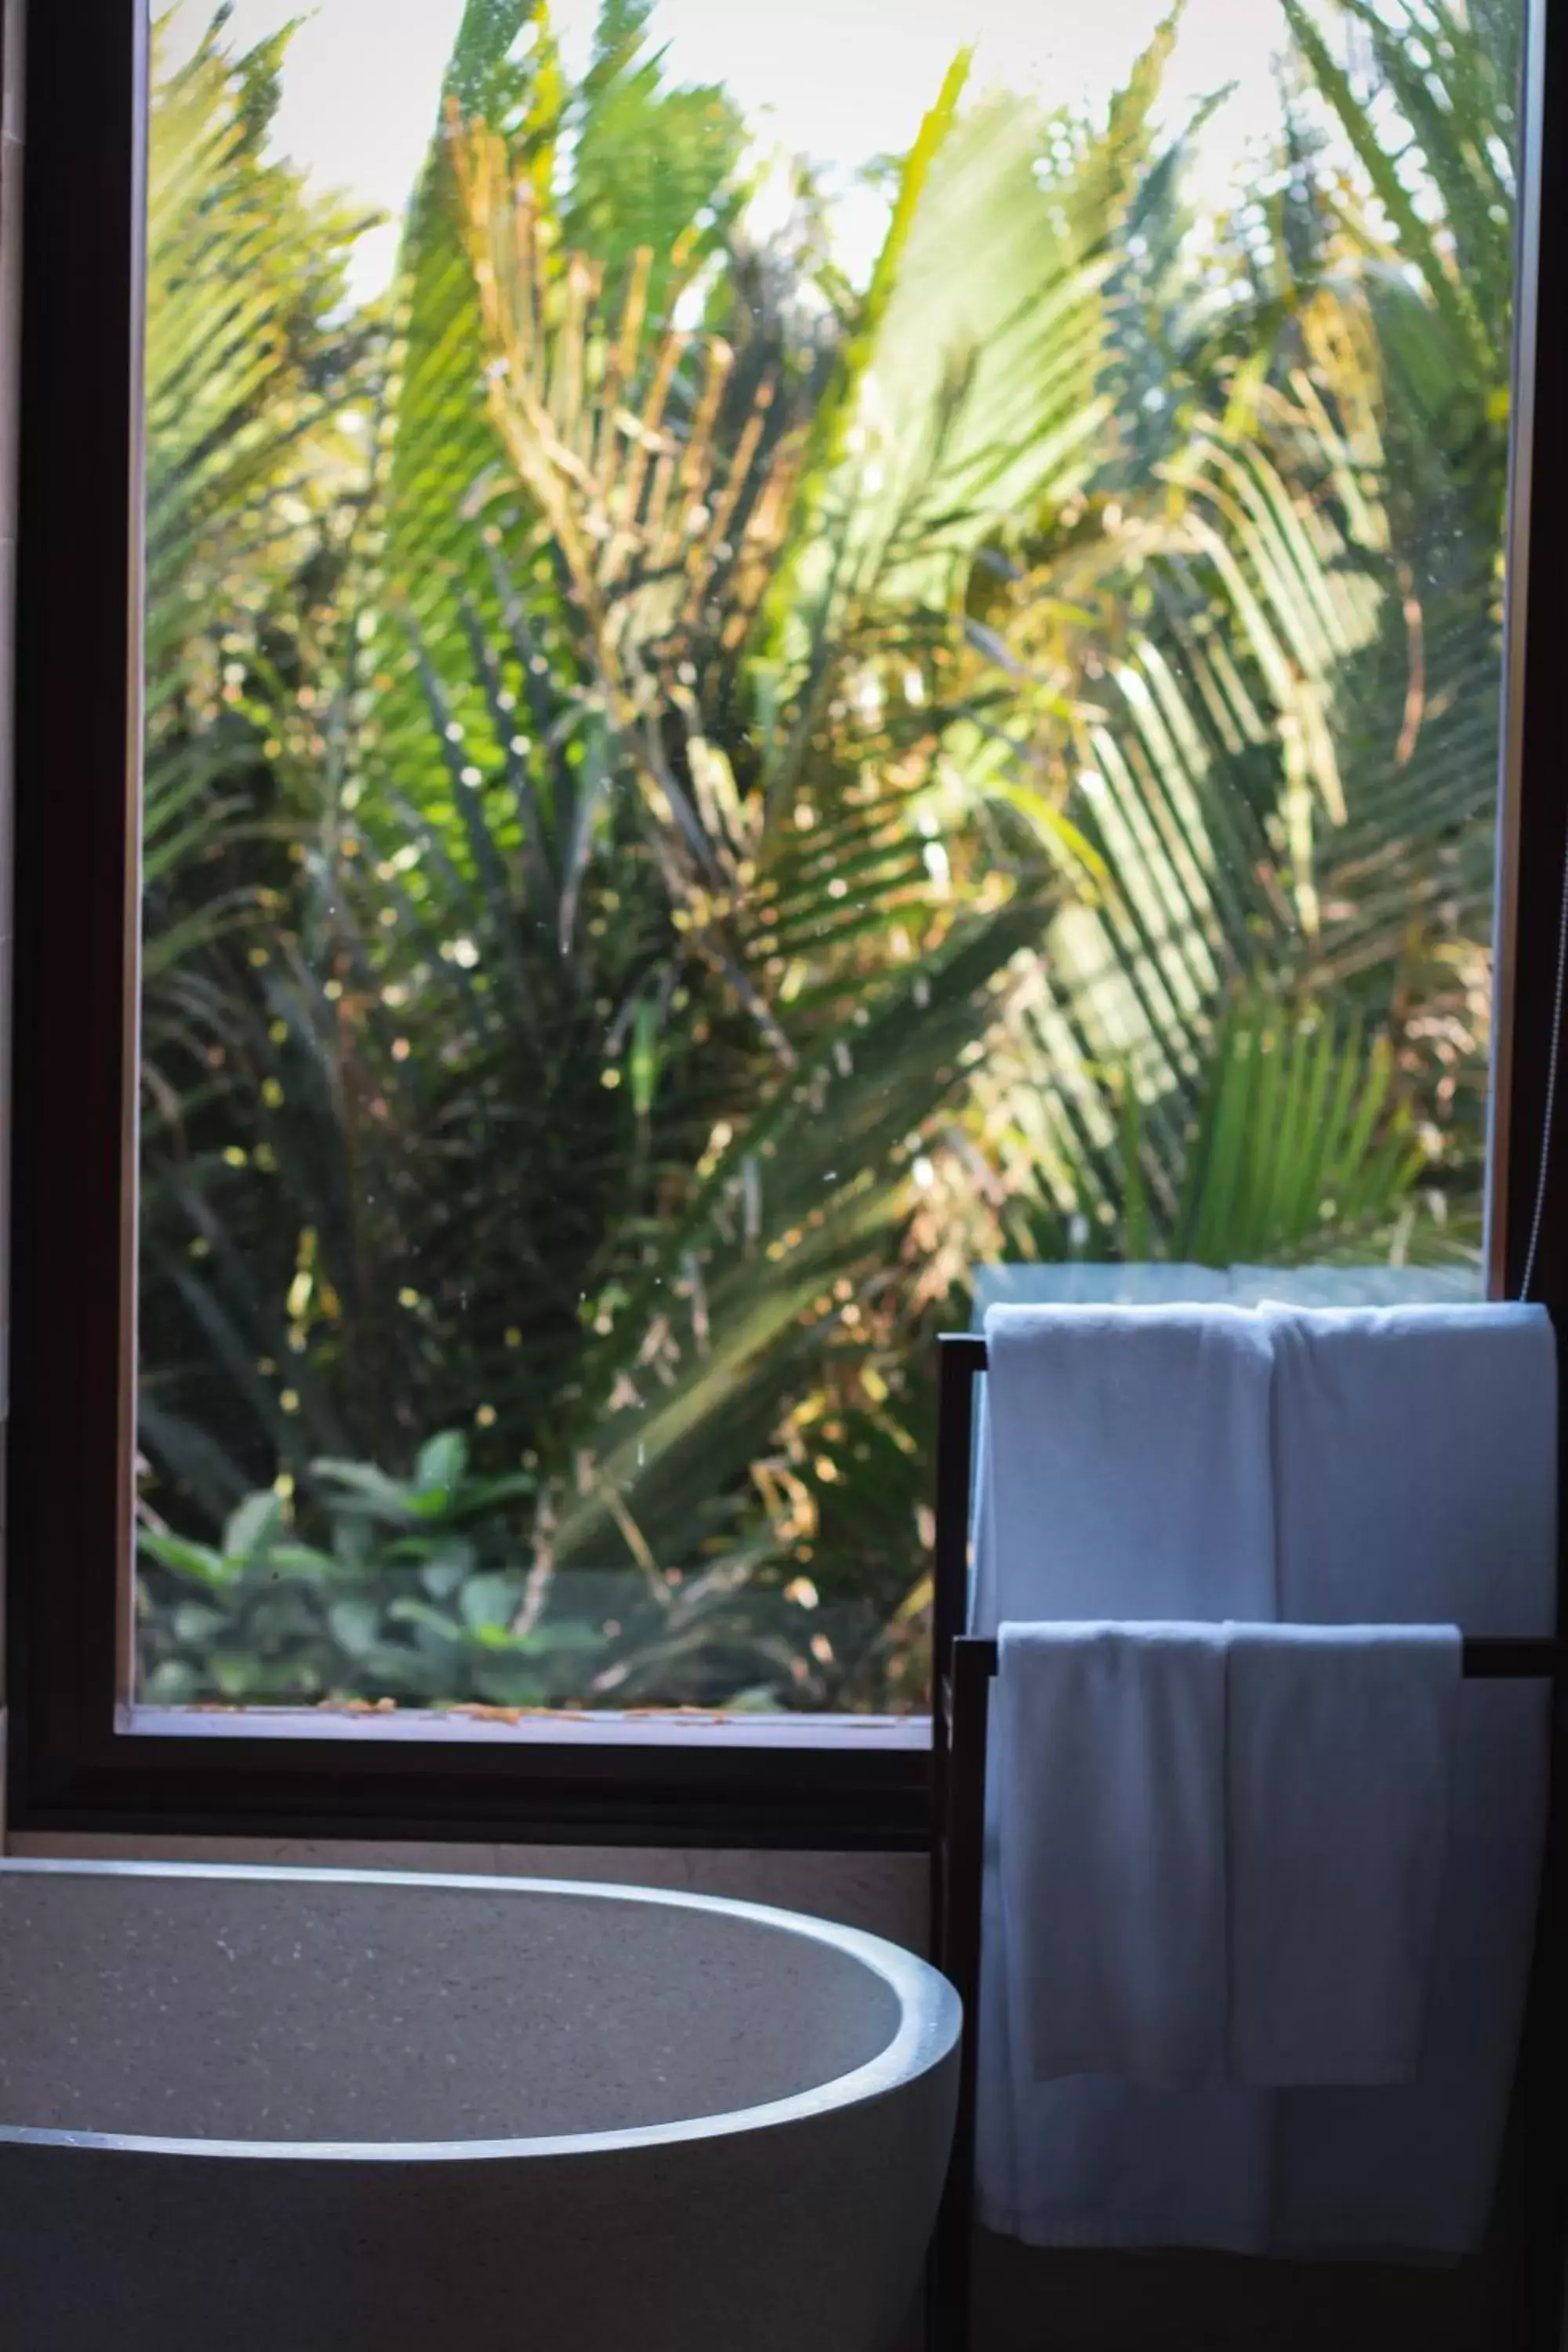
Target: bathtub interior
point(201, 2007)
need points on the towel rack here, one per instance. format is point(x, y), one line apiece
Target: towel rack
point(963, 1668)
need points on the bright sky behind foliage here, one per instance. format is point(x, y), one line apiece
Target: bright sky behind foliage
point(838, 80)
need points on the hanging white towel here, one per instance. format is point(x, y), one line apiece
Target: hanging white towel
point(1124, 1476)
point(1415, 1481)
point(1338, 1758)
point(1112, 1822)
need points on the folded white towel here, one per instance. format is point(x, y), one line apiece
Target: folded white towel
point(1415, 1479)
point(1339, 1753)
point(1111, 1753)
point(1123, 1474)
point(1127, 1465)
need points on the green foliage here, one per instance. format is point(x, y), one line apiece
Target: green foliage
point(407, 1591)
point(1300, 1153)
point(686, 809)
point(653, 169)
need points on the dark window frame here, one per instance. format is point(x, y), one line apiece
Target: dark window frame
point(77, 1763)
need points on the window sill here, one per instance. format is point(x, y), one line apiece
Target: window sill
point(554, 1727)
point(802, 1782)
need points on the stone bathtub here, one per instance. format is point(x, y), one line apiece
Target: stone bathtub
point(315, 2111)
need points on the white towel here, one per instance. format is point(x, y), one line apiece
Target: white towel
point(1338, 1757)
point(1127, 1465)
point(1123, 1474)
point(1113, 1834)
point(1415, 1481)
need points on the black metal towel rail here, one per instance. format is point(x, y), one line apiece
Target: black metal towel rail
point(964, 1666)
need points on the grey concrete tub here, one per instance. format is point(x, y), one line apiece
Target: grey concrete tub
point(315, 2111)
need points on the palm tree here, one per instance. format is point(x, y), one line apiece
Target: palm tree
point(1285, 753)
point(760, 798)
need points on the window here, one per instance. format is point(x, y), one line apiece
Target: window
point(747, 707)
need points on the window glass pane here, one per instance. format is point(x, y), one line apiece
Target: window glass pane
point(804, 665)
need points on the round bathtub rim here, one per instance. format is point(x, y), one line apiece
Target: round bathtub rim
point(930, 2020)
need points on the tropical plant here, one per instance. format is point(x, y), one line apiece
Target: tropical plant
point(733, 802)
point(1283, 746)
point(259, 382)
point(1302, 1152)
